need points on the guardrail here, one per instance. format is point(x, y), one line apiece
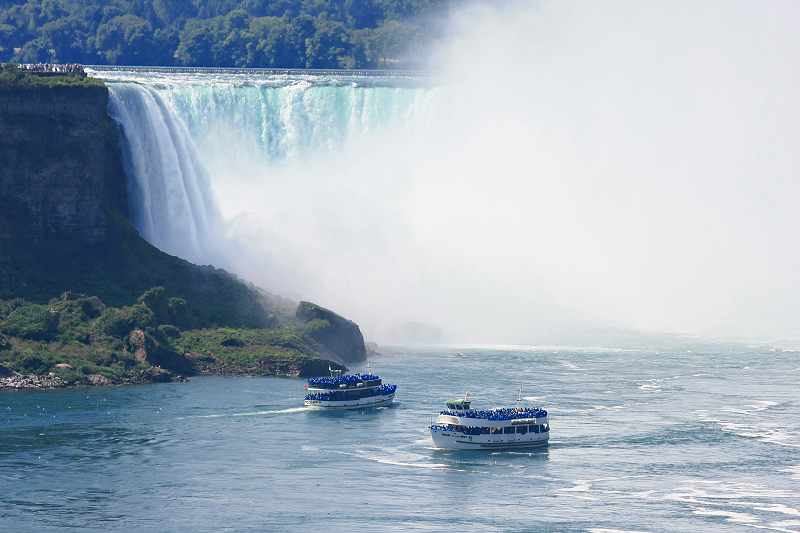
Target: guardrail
point(266, 71)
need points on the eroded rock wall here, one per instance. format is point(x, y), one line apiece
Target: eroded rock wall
point(52, 162)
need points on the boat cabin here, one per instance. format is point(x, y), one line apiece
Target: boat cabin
point(458, 405)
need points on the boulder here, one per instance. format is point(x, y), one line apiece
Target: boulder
point(137, 340)
point(65, 366)
point(156, 375)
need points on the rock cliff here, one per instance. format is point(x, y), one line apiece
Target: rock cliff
point(53, 162)
point(337, 334)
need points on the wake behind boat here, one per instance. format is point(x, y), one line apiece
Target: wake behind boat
point(356, 391)
point(461, 427)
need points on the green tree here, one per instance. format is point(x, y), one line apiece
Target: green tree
point(329, 43)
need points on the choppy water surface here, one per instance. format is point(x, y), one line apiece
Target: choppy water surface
point(641, 441)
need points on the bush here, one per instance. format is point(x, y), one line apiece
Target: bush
point(34, 322)
point(170, 332)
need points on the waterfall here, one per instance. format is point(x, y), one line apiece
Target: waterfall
point(170, 198)
point(187, 136)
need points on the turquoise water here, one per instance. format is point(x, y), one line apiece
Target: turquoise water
point(642, 440)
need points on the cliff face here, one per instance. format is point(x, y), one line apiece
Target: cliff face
point(337, 334)
point(53, 163)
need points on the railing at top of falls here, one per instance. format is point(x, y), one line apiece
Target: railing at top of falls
point(266, 71)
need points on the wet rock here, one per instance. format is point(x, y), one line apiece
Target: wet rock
point(98, 381)
point(31, 381)
point(156, 375)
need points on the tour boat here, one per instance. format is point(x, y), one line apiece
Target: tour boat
point(461, 427)
point(356, 391)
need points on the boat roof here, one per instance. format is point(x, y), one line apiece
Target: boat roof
point(458, 402)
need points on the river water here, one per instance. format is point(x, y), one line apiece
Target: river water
point(686, 439)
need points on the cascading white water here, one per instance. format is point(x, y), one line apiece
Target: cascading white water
point(274, 120)
point(170, 198)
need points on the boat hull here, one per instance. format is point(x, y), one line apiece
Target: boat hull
point(360, 403)
point(450, 440)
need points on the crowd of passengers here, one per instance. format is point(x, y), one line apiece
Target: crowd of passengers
point(334, 396)
point(344, 380)
point(474, 430)
point(500, 414)
point(49, 67)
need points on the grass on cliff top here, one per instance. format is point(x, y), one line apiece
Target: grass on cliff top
point(13, 77)
point(247, 347)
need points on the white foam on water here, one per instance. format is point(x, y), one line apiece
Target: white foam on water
point(253, 413)
point(581, 486)
point(794, 470)
point(605, 530)
point(756, 429)
point(740, 518)
point(776, 508)
point(413, 460)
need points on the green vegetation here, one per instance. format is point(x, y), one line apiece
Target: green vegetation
point(248, 349)
point(76, 336)
point(221, 33)
point(13, 77)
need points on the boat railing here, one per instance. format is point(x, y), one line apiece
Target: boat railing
point(499, 414)
point(352, 394)
point(368, 380)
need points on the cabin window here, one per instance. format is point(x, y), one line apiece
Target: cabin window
point(508, 430)
point(485, 431)
point(496, 431)
point(450, 406)
point(545, 427)
point(522, 429)
point(535, 428)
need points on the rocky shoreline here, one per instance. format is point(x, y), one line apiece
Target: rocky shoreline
point(290, 367)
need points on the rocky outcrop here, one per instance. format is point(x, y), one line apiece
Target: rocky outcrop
point(32, 382)
point(157, 374)
point(337, 334)
point(98, 381)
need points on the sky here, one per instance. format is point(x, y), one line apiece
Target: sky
point(579, 166)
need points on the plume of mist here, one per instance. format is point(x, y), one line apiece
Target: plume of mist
point(578, 164)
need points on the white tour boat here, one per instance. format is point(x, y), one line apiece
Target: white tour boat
point(462, 427)
point(357, 391)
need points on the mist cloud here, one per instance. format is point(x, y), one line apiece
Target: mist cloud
point(578, 164)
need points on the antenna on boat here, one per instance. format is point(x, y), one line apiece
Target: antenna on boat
point(519, 400)
point(369, 370)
